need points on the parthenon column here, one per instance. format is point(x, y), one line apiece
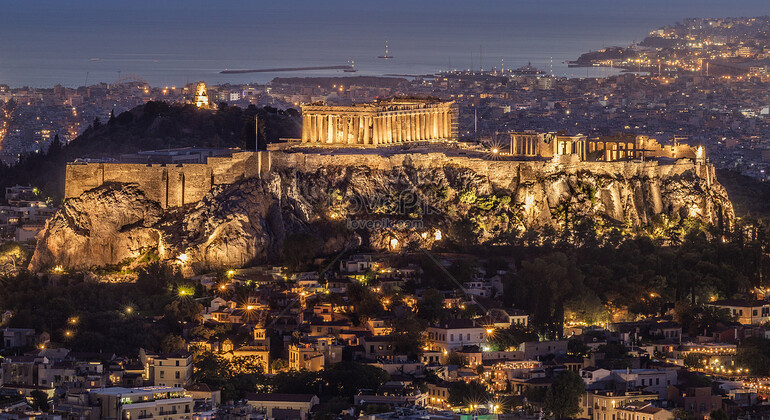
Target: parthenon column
point(437, 124)
point(344, 129)
point(375, 129)
point(418, 133)
point(384, 125)
point(316, 131)
point(385, 139)
point(381, 130)
point(432, 125)
point(408, 128)
point(357, 130)
point(404, 127)
point(448, 124)
point(398, 128)
point(310, 128)
point(322, 127)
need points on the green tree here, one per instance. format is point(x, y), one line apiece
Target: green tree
point(455, 359)
point(298, 250)
point(39, 400)
point(172, 343)
point(365, 301)
point(408, 330)
point(576, 347)
point(154, 278)
point(719, 415)
point(462, 393)
point(754, 353)
point(563, 398)
point(348, 378)
point(430, 307)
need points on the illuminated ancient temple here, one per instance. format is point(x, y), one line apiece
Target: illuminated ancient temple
point(399, 120)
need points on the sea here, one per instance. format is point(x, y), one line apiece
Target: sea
point(171, 43)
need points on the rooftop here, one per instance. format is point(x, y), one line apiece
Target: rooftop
point(280, 397)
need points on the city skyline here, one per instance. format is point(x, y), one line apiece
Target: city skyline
point(48, 43)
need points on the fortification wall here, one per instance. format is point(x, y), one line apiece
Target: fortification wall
point(177, 185)
point(169, 185)
point(501, 173)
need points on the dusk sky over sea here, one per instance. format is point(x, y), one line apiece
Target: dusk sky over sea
point(50, 42)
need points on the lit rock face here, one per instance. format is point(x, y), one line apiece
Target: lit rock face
point(103, 226)
point(405, 206)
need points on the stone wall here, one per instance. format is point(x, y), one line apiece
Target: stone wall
point(169, 185)
point(177, 185)
point(501, 173)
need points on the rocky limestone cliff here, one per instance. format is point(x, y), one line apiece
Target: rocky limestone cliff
point(409, 204)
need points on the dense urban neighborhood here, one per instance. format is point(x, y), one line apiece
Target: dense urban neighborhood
point(471, 244)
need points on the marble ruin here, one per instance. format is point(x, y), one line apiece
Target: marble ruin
point(398, 120)
point(599, 149)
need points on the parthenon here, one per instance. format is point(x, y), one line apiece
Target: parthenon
point(397, 120)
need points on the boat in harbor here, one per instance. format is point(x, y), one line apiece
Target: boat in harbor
point(386, 55)
point(528, 70)
point(352, 68)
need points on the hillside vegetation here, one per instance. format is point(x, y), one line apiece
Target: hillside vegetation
point(154, 125)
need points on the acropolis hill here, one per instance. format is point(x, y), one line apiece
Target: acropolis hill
point(234, 210)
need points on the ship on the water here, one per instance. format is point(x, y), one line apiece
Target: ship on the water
point(352, 68)
point(528, 70)
point(386, 55)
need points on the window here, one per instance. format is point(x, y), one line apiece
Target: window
point(451, 337)
point(162, 374)
point(177, 362)
point(177, 375)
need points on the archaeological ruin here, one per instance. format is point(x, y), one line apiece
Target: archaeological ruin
point(398, 120)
